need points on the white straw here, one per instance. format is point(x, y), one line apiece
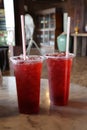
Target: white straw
point(67, 40)
point(23, 37)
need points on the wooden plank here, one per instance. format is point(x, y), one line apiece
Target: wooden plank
point(84, 44)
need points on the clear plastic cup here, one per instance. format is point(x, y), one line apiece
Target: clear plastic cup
point(59, 69)
point(27, 73)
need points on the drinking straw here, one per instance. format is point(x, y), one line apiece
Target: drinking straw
point(23, 37)
point(67, 40)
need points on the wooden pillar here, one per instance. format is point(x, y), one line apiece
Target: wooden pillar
point(18, 9)
point(84, 44)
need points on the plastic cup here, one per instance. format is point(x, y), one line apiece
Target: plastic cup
point(27, 73)
point(59, 68)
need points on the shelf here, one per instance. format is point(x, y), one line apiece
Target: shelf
point(46, 29)
point(2, 20)
point(3, 33)
point(48, 26)
point(79, 34)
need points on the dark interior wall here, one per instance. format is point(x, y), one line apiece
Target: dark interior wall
point(85, 13)
point(75, 9)
point(76, 12)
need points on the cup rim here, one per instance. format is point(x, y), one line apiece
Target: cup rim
point(29, 59)
point(56, 56)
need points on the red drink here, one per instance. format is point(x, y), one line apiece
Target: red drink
point(28, 83)
point(59, 68)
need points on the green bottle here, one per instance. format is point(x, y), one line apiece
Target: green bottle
point(61, 42)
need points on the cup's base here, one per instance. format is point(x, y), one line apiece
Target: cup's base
point(29, 112)
point(32, 109)
point(59, 103)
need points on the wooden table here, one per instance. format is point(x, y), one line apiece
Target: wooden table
point(84, 44)
point(71, 117)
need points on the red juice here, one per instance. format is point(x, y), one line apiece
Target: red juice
point(27, 75)
point(59, 68)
